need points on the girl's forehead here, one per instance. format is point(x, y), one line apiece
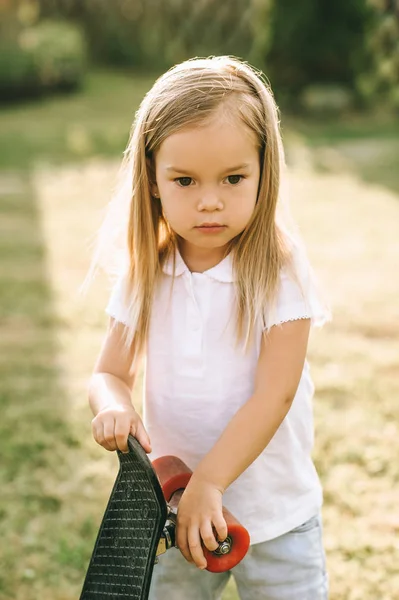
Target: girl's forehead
point(221, 141)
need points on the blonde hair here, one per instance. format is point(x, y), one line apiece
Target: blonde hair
point(188, 95)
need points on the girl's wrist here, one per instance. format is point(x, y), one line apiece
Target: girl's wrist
point(115, 405)
point(112, 404)
point(202, 478)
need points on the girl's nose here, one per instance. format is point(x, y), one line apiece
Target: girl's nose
point(210, 201)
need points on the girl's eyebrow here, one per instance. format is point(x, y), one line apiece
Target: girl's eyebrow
point(237, 168)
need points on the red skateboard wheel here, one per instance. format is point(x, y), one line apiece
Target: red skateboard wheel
point(236, 544)
point(174, 475)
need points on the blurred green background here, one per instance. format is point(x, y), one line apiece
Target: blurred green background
point(72, 74)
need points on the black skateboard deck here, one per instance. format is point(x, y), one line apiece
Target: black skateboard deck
point(124, 554)
point(139, 523)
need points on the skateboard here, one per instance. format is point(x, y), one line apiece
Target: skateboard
point(139, 525)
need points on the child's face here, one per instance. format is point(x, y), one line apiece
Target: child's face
point(207, 179)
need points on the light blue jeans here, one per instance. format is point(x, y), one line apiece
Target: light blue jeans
point(290, 567)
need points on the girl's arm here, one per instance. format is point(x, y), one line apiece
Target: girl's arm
point(111, 382)
point(278, 374)
point(110, 390)
point(248, 433)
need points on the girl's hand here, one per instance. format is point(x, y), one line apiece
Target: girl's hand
point(112, 425)
point(200, 518)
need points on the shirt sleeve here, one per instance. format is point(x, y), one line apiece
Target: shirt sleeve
point(298, 298)
point(116, 307)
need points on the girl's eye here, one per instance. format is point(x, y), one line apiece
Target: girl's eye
point(186, 181)
point(234, 179)
point(183, 181)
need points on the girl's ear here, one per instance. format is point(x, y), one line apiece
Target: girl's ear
point(151, 178)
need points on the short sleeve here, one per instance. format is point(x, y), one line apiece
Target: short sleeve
point(116, 307)
point(298, 297)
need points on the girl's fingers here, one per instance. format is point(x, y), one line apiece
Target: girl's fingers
point(220, 526)
point(182, 544)
point(112, 433)
point(121, 434)
point(142, 436)
point(195, 547)
point(109, 435)
point(98, 432)
point(208, 536)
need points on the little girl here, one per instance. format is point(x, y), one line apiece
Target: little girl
point(218, 297)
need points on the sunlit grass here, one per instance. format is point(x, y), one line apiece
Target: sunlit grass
point(55, 481)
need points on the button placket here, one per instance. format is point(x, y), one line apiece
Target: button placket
point(193, 344)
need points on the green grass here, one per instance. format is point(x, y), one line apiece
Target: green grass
point(54, 480)
point(94, 121)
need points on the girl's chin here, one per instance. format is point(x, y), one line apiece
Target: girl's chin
point(209, 242)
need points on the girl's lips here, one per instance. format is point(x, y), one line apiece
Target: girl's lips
point(210, 228)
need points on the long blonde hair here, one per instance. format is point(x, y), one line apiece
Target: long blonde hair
point(188, 95)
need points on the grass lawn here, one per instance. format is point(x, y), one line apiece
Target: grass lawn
point(95, 121)
point(59, 160)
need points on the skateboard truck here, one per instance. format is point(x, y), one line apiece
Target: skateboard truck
point(139, 524)
point(168, 535)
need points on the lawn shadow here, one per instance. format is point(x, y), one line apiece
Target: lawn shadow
point(40, 555)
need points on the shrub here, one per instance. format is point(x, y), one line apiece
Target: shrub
point(155, 34)
point(41, 58)
point(316, 41)
point(378, 83)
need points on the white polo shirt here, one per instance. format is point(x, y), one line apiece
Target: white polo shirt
point(196, 379)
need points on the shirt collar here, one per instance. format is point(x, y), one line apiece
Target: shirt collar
point(222, 272)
